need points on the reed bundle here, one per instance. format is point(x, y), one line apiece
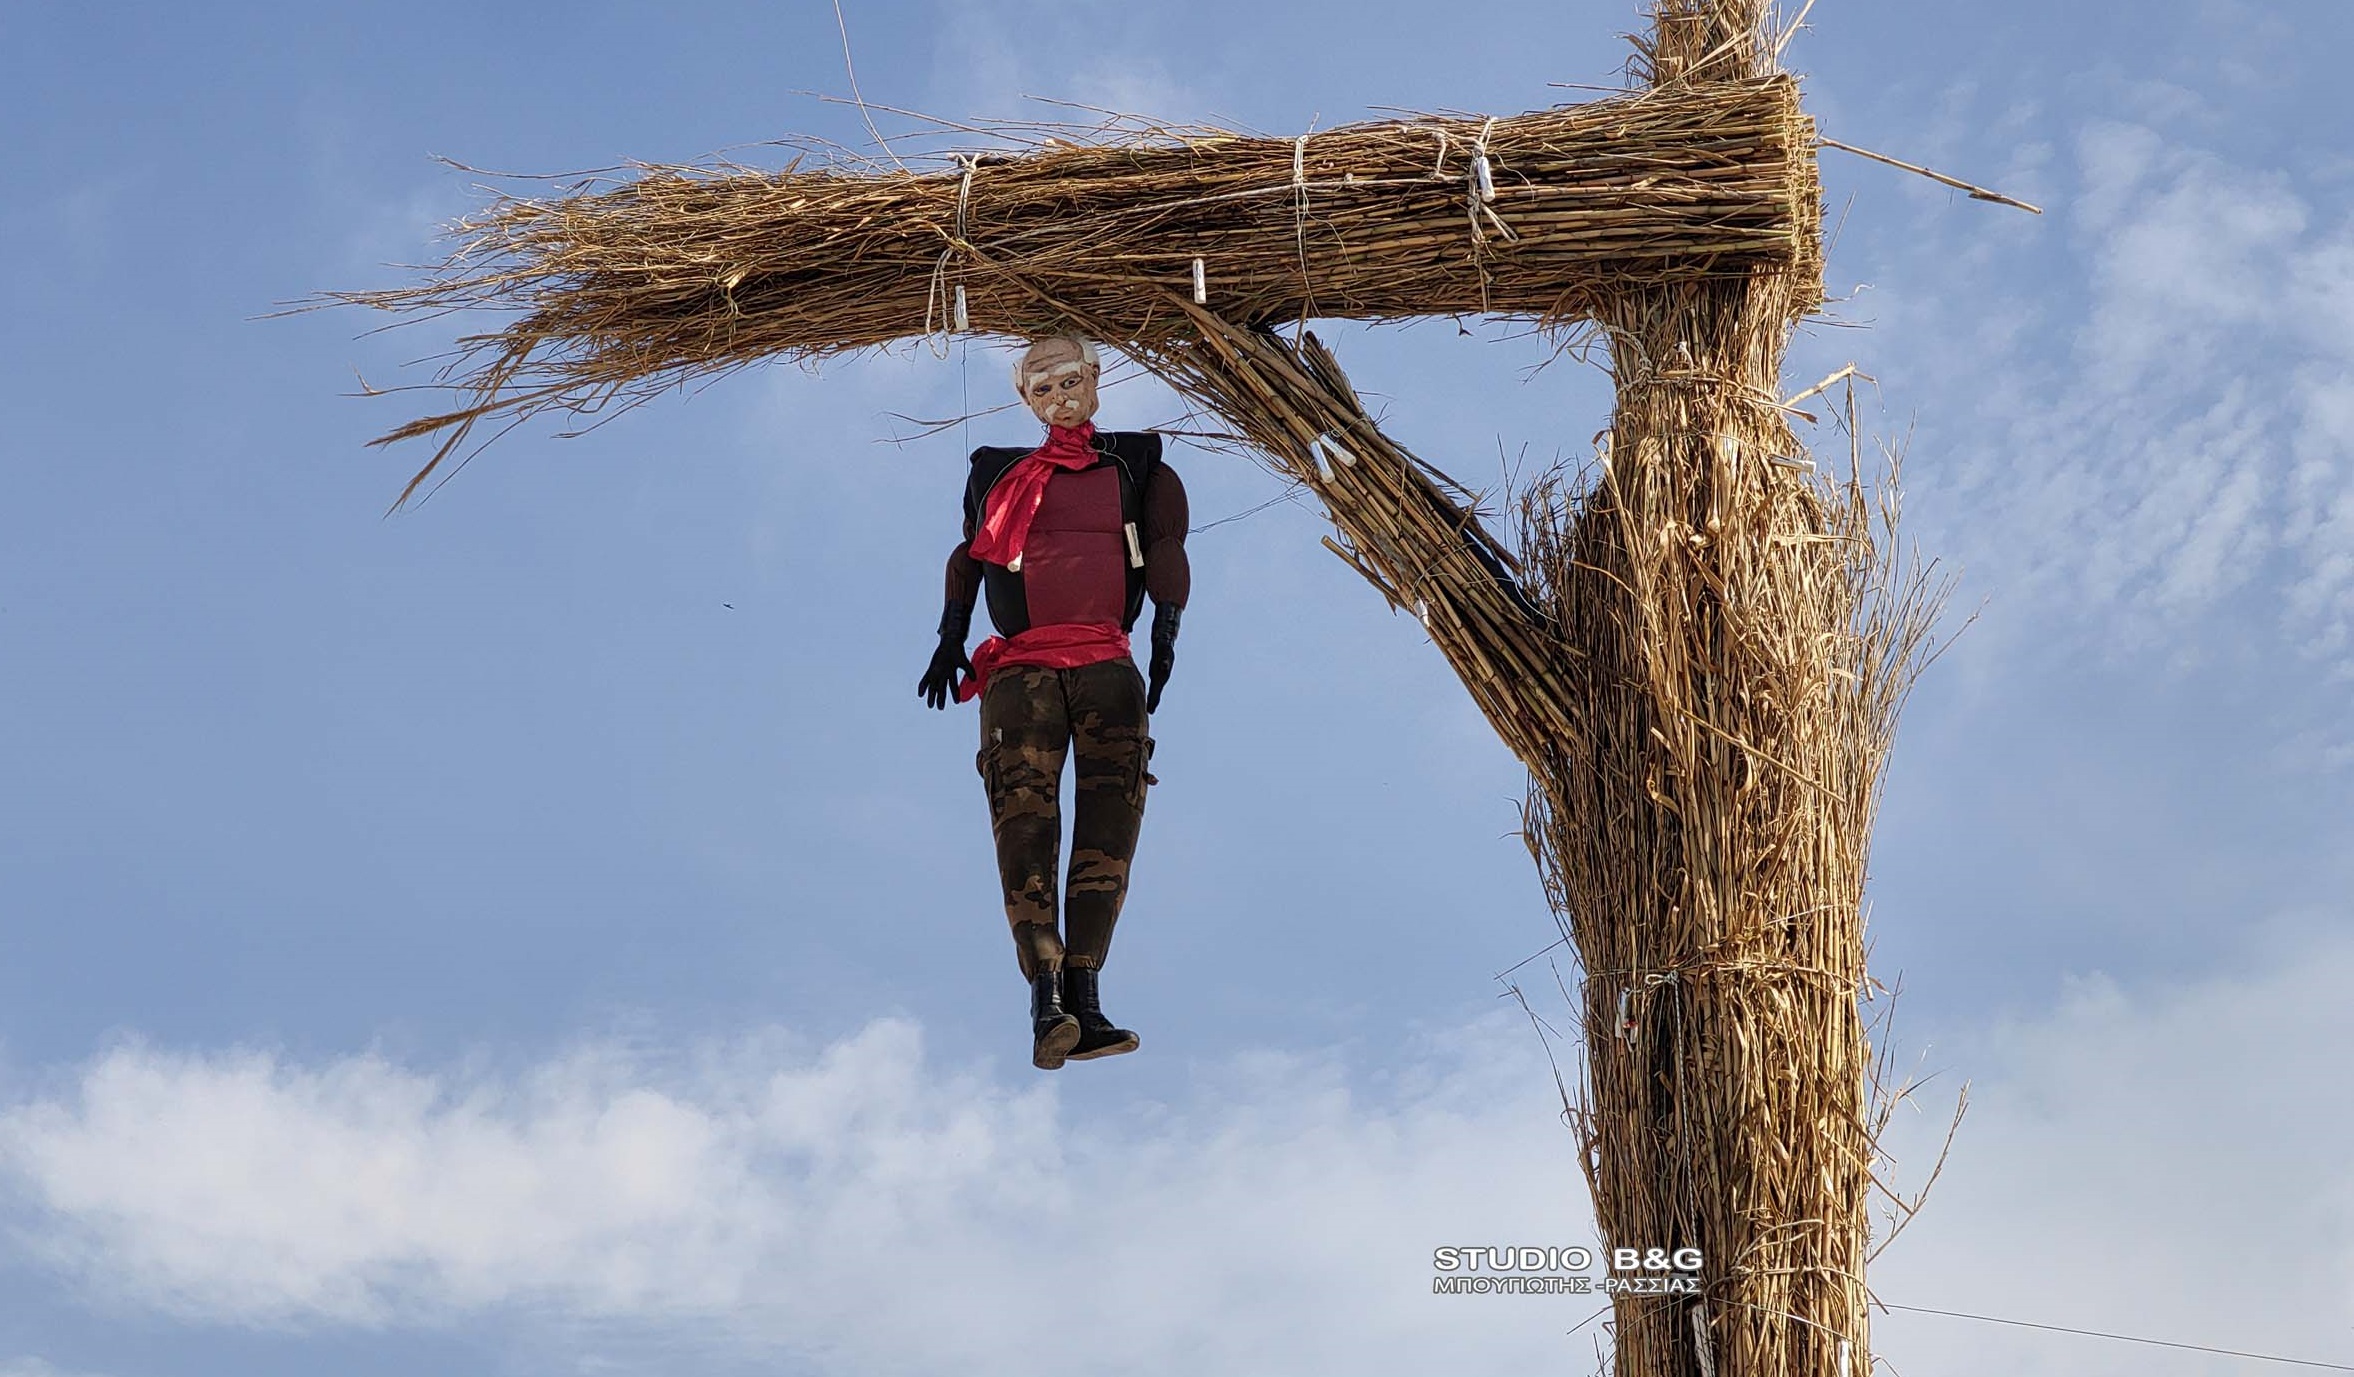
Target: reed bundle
point(1741, 644)
point(619, 293)
point(1740, 641)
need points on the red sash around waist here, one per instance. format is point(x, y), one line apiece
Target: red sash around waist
point(1062, 645)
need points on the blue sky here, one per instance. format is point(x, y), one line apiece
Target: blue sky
point(467, 941)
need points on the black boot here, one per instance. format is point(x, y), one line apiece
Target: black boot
point(1052, 1032)
point(1097, 1036)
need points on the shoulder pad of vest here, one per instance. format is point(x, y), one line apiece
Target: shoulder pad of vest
point(1143, 444)
point(1137, 451)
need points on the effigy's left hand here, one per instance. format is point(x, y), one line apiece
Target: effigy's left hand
point(939, 682)
point(1164, 659)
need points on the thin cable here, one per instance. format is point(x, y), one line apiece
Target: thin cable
point(1288, 494)
point(2123, 1338)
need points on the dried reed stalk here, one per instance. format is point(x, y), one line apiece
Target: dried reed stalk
point(620, 293)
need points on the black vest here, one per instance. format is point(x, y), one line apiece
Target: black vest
point(1135, 453)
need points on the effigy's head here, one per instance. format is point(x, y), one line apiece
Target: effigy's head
point(1056, 377)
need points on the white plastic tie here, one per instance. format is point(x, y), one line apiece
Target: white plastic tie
point(1483, 177)
point(1339, 451)
point(964, 319)
point(1201, 283)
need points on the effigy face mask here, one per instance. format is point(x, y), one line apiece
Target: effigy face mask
point(1058, 383)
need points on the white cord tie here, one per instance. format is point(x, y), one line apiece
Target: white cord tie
point(1482, 180)
point(939, 303)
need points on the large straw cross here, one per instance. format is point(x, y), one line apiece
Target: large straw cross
point(1698, 654)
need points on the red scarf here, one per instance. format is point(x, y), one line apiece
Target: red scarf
point(1013, 502)
point(1059, 645)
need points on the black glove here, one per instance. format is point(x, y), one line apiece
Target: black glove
point(938, 685)
point(1164, 652)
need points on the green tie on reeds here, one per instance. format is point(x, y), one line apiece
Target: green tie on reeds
point(1698, 653)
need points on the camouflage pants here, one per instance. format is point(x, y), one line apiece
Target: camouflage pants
point(1030, 719)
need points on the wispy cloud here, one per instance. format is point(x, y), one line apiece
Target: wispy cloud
point(992, 59)
point(35, 1367)
point(2160, 433)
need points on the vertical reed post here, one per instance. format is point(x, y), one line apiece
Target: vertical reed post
point(1705, 843)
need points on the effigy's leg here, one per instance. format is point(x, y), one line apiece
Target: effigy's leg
point(1025, 732)
point(1111, 750)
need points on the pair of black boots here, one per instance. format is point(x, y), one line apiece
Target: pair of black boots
point(1067, 1022)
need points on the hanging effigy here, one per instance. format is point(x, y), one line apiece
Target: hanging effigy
point(1068, 539)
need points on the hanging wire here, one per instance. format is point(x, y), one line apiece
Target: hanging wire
point(2122, 1338)
point(1289, 494)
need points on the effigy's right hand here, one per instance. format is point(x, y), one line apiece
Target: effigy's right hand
point(938, 685)
point(1164, 660)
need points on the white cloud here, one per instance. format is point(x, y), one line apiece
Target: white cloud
point(2169, 1163)
point(859, 1205)
point(35, 1367)
point(2166, 1163)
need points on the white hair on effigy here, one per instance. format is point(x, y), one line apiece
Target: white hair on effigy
point(1088, 358)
